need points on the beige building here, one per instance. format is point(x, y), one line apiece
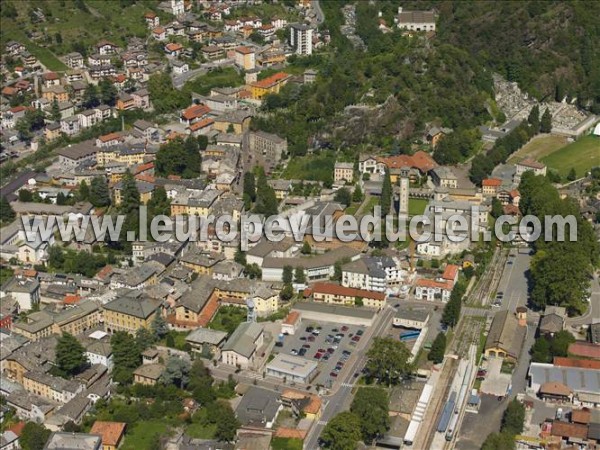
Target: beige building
point(130, 314)
point(241, 348)
point(340, 295)
point(245, 57)
point(343, 171)
point(270, 146)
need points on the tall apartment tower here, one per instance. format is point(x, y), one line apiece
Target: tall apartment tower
point(404, 188)
point(301, 37)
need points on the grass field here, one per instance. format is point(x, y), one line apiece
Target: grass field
point(539, 148)
point(416, 206)
point(581, 155)
point(143, 435)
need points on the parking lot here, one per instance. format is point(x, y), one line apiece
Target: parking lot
point(330, 344)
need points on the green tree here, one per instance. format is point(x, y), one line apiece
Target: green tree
point(513, 418)
point(438, 349)
point(159, 204)
point(546, 122)
point(357, 195)
point(388, 360)
point(337, 271)
point(7, 214)
point(90, 96)
point(83, 192)
point(159, 326)
point(99, 194)
point(534, 118)
point(266, 200)
point(130, 196)
point(497, 208)
point(371, 405)
point(176, 372)
point(288, 274)
point(287, 292)
point(55, 115)
point(108, 92)
point(343, 432)
point(540, 350)
point(70, 355)
point(227, 423)
point(250, 186)
point(572, 175)
point(358, 301)
point(499, 441)
point(299, 275)
point(306, 248)
point(451, 313)
point(343, 196)
point(34, 436)
point(127, 356)
point(25, 195)
point(144, 339)
point(559, 345)
point(386, 194)
point(179, 157)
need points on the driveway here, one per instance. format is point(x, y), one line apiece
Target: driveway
point(496, 383)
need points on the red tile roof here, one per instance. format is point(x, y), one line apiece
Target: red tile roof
point(494, 182)
point(581, 415)
point(158, 30)
point(428, 283)
point(336, 289)
point(579, 363)
point(244, 50)
point(195, 112)
point(109, 137)
point(450, 272)
point(571, 430)
point(150, 15)
point(143, 168)
point(420, 160)
point(17, 428)
point(111, 432)
point(71, 299)
point(50, 76)
point(290, 433)
point(585, 349)
point(272, 80)
point(555, 388)
point(174, 47)
point(201, 124)
point(292, 318)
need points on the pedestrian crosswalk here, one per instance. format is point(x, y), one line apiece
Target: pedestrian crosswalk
point(322, 422)
point(349, 385)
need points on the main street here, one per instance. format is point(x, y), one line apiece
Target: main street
point(343, 389)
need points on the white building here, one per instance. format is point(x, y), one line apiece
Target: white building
point(408, 317)
point(241, 348)
point(415, 20)
point(373, 274)
point(431, 290)
point(25, 291)
point(301, 37)
point(292, 368)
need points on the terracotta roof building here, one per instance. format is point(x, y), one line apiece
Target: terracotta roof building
point(112, 433)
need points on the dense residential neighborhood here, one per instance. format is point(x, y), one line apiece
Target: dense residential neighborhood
point(482, 332)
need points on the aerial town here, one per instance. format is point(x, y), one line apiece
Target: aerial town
point(476, 120)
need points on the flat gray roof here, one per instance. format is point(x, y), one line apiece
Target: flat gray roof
point(292, 365)
point(325, 308)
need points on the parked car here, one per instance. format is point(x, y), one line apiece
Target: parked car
point(318, 355)
point(310, 339)
point(294, 351)
point(333, 374)
point(356, 338)
point(344, 328)
point(360, 332)
point(302, 351)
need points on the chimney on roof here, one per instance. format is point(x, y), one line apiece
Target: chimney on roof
point(522, 316)
point(399, 9)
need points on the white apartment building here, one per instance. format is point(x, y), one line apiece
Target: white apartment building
point(301, 37)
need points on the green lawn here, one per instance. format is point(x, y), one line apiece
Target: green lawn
point(539, 147)
point(286, 444)
point(201, 431)
point(217, 78)
point(318, 167)
point(142, 435)
point(416, 206)
point(581, 155)
point(228, 318)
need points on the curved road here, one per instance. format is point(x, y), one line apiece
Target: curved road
point(318, 11)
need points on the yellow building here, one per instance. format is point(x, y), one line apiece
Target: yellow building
point(50, 387)
point(144, 188)
point(131, 155)
point(340, 295)
point(236, 122)
point(201, 263)
point(129, 314)
point(245, 57)
point(74, 320)
point(270, 85)
point(57, 93)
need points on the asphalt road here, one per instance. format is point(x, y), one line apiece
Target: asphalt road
point(318, 11)
point(345, 382)
point(514, 283)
